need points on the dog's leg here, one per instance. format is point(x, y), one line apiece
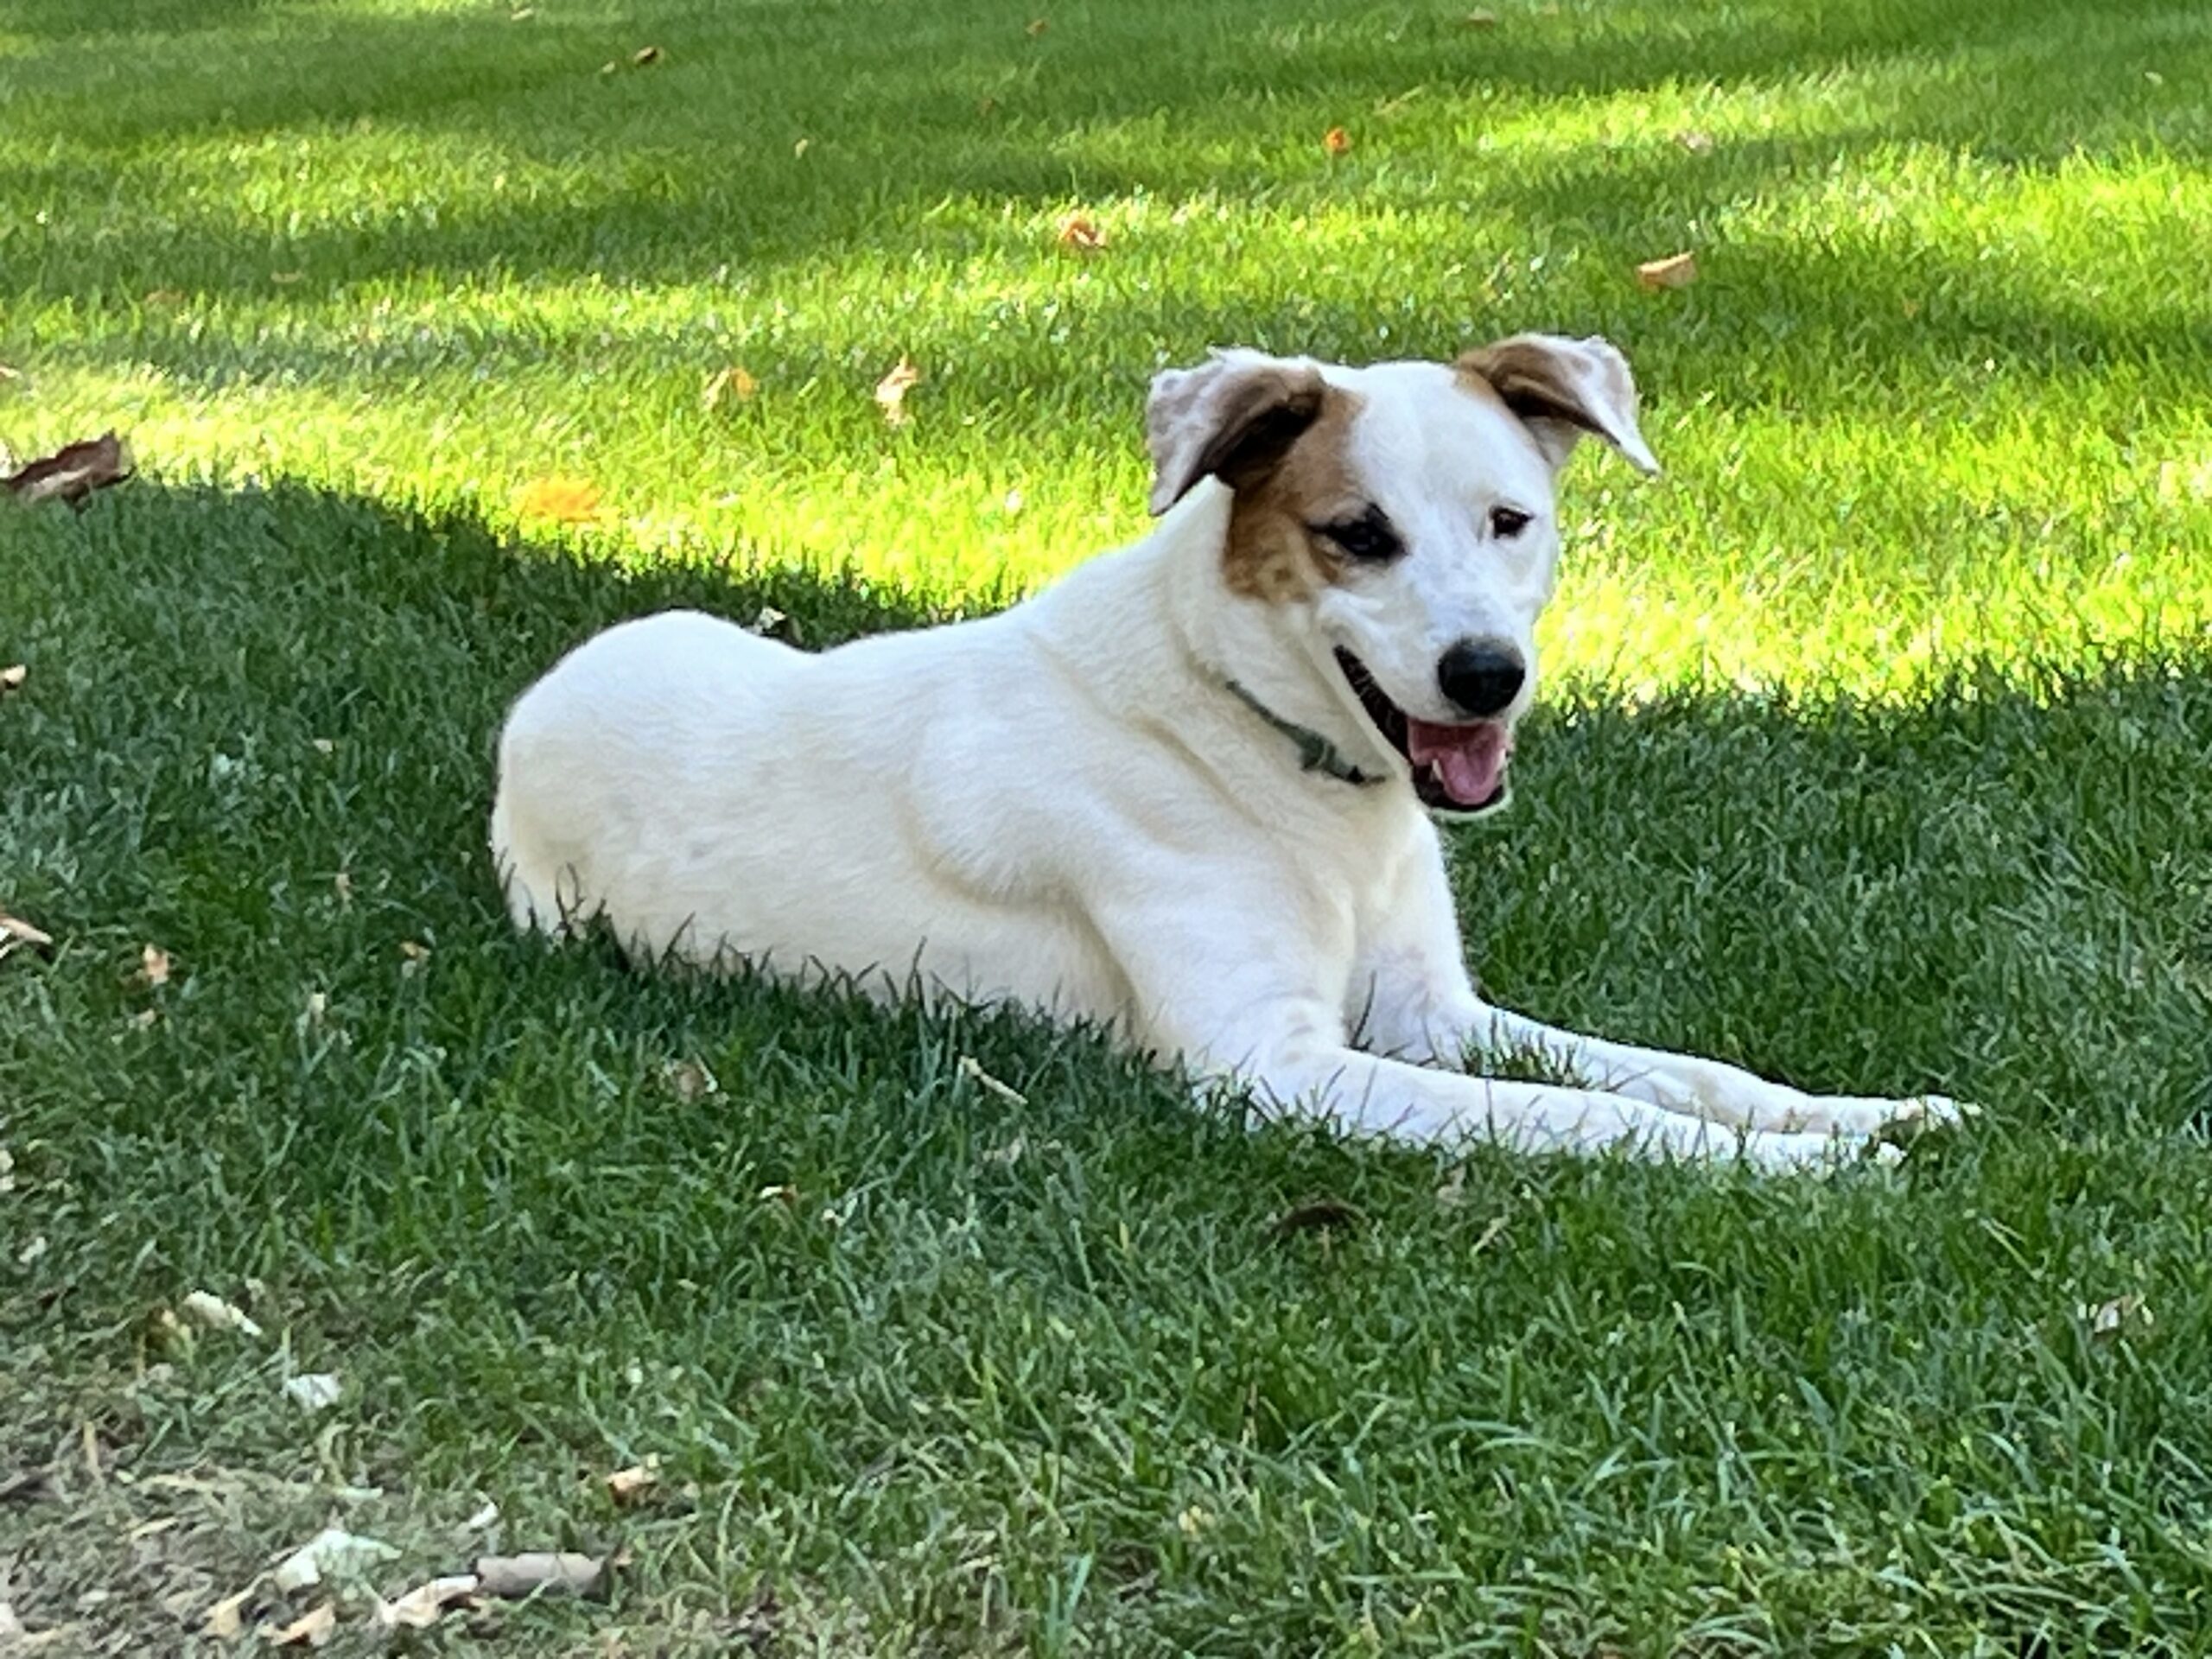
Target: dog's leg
point(1414, 1001)
point(1361, 1094)
point(1242, 1009)
point(1707, 1089)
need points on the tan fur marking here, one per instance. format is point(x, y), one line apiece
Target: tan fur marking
point(1271, 555)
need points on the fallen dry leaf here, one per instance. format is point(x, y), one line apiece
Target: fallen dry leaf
point(510, 1577)
point(637, 1482)
point(413, 953)
point(332, 1552)
point(214, 1312)
point(12, 678)
point(2106, 1320)
point(688, 1081)
point(1037, 26)
point(286, 278)
point(974, 1073)
point(1676, 270)
point(1336, 141)
point(645, 56)
point(73, 472)
point(568, 500)
point(15, 931)
point(891, 391)
point(420, 1608)
point(227, 1616)
point(154, 965)
point(309, 1631)
point(772, 624)
point(1480, 20)
point(784, 1193)
point(1080, 234)
point(31, 1251)
point(316, 1391)
point(724, 386)
point(1696, 142)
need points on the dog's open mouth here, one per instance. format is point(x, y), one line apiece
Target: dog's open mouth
point(1456, 768)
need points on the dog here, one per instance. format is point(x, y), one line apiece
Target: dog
point(1189, 792)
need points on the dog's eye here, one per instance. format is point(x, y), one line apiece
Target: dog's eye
point(1369, 539)
point(1506, 523)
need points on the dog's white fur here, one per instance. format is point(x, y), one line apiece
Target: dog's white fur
point(1064, 805)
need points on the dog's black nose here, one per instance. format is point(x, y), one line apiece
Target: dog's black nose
point(1481, 676)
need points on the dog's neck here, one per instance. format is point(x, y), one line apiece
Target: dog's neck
point(1265, 655)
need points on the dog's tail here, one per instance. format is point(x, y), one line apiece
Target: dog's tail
point(529, 871)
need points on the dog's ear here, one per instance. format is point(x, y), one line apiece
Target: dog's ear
point(1233, 417)
point(1562, 388)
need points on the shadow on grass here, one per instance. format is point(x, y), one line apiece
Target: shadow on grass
point(690, 169)
point(869, 1295)
point(1999, 889)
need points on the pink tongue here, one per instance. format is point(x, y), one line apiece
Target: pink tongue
point(1469, 759)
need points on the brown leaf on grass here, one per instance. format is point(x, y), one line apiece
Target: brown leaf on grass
point(1336, 141)
point(1037, 26)
point(725, 386)
point(154, 966)
point(1480, 20)
point(1676, 270)
point(690, 1080)
point(891, 391)
point(1698, 142)
point(422, 1607)
point(1080, 234)
point(12, 678)
point(413, 953)
point(634, 1484)
point(645, 56)
point(74, 472)
point(15, 931)
point(512, 1577)
point(569, 500)
point(227, 1618)
point(310, 1630)
point(286, 278)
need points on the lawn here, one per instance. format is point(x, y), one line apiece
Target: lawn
point(1874, 756)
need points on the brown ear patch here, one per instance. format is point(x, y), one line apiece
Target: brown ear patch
point(1527, 378)
point(1560, 389)
point(1271, 555)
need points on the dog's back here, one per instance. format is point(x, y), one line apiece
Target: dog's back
point(596, 754)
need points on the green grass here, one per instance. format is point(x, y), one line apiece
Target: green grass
point(1876, 758)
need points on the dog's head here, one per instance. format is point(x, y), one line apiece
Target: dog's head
point(1405, 511)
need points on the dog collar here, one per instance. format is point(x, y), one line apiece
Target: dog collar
point(1315, 752)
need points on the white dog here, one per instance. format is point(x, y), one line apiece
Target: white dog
point(1187, 790)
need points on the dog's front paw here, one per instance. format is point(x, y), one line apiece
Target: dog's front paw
point(1896, 1122)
